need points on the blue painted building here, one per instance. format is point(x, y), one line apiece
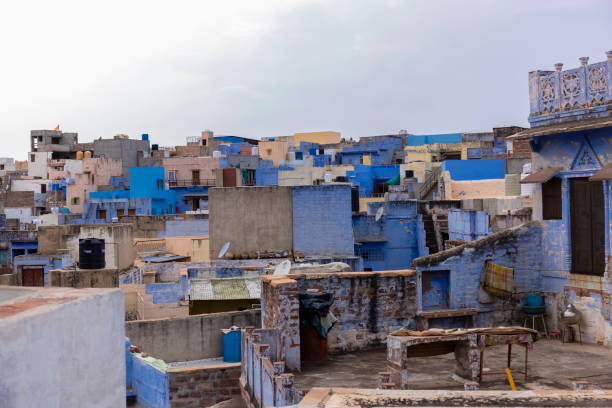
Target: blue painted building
point(565, 254)
point(371, 179)
point(147, 195)
point(392, 241)
point(375, 150)
point(190, 198)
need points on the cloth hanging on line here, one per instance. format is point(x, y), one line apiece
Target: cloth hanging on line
point(498, 280)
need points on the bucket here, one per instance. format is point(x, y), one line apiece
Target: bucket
point(231, 344)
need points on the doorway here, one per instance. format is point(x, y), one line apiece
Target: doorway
point(33, 276)
point(587, 226)
point(435, 290)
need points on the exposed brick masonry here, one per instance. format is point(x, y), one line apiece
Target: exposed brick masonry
point(203, 387)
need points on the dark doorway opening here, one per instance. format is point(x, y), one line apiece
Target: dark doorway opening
point(587, 226)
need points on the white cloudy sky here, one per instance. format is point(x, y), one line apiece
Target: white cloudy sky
point(275, 67)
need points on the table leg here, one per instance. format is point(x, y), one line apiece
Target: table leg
point(481, 365)
point(526, 360)
point(509, 354)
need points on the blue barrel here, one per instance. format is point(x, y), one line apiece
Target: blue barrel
point(231, 345)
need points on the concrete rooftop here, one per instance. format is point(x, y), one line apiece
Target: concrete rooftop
point(552, 366)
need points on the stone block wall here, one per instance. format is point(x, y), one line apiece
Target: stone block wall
point(205, 386)
point(367, 305)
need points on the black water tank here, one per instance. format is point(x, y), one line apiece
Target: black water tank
point(355, 199)
point(91, 253)
point(154, 147)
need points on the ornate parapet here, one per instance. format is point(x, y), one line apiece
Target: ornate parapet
point(559, 96)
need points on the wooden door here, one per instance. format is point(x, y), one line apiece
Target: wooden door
point(587, 226)
point(229, 177)
point(33, 276)
point(195, 177)
point(435, 289)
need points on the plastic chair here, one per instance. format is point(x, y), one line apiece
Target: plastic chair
point(535, 307)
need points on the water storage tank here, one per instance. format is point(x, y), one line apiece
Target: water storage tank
point(91, 253)
point(79, 155)
point(87, 154)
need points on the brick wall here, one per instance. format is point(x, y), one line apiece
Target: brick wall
point(19, 199)
point(203, 387)
point(281, 311)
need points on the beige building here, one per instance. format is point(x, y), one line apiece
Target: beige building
point(96, 172)
point(190, 171)
point(326, 137)
point(275, 150)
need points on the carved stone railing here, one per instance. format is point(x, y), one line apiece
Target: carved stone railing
point(559, 96)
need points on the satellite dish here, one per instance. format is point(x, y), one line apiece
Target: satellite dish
point(283, 268)
point(223, 250)
point(379, 213)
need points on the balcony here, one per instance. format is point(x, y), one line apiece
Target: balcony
point(193, 182)
point(559, 96)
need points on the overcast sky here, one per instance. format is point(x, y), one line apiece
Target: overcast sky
point(275, 67)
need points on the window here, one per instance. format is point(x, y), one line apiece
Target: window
point(160, 184)
point(171, 175)
point(43, 188)
point(75, 201)
point(102, 214)
point(370, 254)
point(551, 199)
point(56, 140)
point(1, 166)
point(32, 158)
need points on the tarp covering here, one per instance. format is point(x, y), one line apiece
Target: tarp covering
point(393, 181)
point(314, 311)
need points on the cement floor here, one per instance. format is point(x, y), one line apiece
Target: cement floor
point(552, 365)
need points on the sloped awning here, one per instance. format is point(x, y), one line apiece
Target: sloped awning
point(605, 173)
point(224, 289)
point(542, 175)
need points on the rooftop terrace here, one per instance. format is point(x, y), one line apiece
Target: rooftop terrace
point(552, 366)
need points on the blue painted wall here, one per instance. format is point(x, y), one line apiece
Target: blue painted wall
point(522, 252)
point(181, 194)
point(185, 228)
point(150, 384)
point(379, 148)
point(322, 220)
point(483, 169)
point(367, 176)
point(467, 225)
point(266, 176)
point(143, 183)
point(420, 140)
point(168, 292)
point(17, 248)
point(393, 241)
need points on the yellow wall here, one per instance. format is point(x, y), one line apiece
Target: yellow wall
point(363, 202)
point(201, 250)
point(327, 137)
point(275, 150)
